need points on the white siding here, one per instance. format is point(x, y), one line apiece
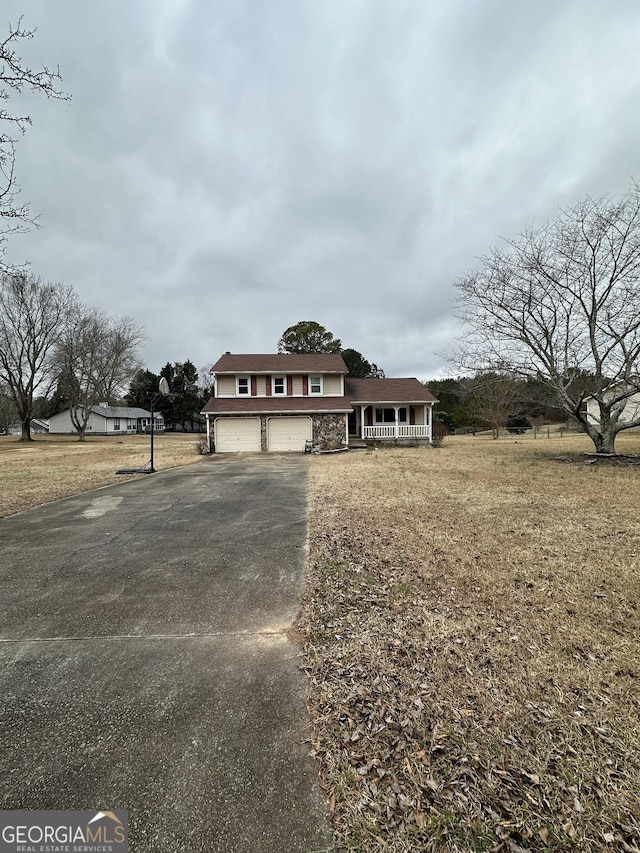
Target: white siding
point(226, 386)
point(62, 424)
point(631, 410)
point(331, 385)
point(422, 414)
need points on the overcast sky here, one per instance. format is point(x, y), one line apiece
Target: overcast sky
point(226, 168)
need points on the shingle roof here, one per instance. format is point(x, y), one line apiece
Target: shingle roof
point(280, 363)
point(266, 405)
point(387, 391)
point(120, 412)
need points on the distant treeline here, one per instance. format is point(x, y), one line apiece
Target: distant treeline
point(493, 401)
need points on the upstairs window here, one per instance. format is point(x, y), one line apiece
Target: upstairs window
point(315, 385)
point(279, 385)
point(243, 386)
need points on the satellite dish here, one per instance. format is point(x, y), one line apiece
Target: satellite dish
point(164, 386)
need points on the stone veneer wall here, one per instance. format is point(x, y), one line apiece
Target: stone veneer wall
point(329, 431)
point(263, 432)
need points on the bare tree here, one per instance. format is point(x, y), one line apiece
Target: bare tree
point(33, 317)
point(562, 304)
point(492, 398)
point(95, 360)
point(15, 75)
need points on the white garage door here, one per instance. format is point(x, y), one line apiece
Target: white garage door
point(288, 433)
point(237, 434)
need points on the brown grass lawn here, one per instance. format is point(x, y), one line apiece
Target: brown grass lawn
point(53, 466)
point(472, 644)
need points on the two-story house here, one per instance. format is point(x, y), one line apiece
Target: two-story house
point(278, 402)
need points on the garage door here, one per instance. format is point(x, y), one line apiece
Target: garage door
point(288, 433)
point(236, 434)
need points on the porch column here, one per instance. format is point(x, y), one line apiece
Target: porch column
point(208, 434)
point(396, 431)
point(429, 413)
point(362, 408)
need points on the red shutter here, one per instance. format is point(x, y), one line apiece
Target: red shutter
point(305, 385)
point(369, 416)
point(254, 386)
point(412, 415)
point(289, 386)
point(268, 386)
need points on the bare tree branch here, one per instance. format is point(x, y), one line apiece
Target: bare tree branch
point(16, 75)
point(33, 317)
point(493, 397)
point(562, 304)
point(95, 361)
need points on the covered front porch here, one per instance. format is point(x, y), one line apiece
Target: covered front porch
point(392, 422)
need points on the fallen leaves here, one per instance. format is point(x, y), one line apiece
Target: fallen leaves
point(453, 709)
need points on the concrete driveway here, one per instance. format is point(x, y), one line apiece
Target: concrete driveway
point(144, 662)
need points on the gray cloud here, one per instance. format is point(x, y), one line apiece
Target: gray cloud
point(225, 170)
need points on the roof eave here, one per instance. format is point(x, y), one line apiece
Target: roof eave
point(272, 372)
point(392, 402)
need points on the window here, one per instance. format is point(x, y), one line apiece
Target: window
point(243, 386)
point(385, 416)
point(388, 416)
point(279, 386)
point(315, 384)
point(116, 424)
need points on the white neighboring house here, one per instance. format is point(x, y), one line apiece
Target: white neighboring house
point(109, 420)
point(38, 426)
point(630, 412)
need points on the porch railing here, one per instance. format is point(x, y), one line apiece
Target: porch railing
point(404, 431)
point(413, 431)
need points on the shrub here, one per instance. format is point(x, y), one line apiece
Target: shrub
point(438, 433)
point(518, 424)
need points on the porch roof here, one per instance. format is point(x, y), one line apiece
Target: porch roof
point(387, 391)
point(267, 405)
